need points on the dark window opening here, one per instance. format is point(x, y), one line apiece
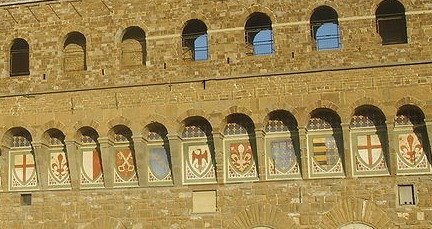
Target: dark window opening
point(26, 199)
point(195, 40)
point(259, 34)
point(19, 58)
point(391, 22)
point(325, 28)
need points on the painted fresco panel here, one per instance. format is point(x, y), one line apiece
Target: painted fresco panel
point(22, 171)
point(91, 168)
point(411, 157)
point(368, 157)
point(240, 161)
point(58, 171)
point(198, 163)
point(324, 159)
point(124, 168)
point(281, 158)
point(159, 169)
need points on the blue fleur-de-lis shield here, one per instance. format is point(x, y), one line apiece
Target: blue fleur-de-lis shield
point(283, 155)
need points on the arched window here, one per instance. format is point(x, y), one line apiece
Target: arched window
point(19, 58)
point(259, 35)
point(133, 47)
point(325, 28)
point(75, 52)
point(391, 22)
point(195, 40)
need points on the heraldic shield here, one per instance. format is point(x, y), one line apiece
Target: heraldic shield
point(325, 152)
point(199, 159)
point(92, 165)
point(283, 155)
point(158, 163)
point(410, 149)
point(241, 157)
point(24, 169)
point(369, 150)
point(59, 167)
point(125, 166)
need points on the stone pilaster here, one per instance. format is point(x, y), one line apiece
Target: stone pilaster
point(428, 124)
point(42, 162)
point(219, 156)
point(141, 159)
point(107, 155)
point(73, 156)
point(176, 160)
point(259, 139)
point(347, 154)
point(303, 153)
point(392, 155)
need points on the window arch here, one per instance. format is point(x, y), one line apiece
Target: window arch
point(133, 47)
point(75, 52)
point(19, 58)
point(195, 40)
point(325, 28)
point(259, 34)
point(391, 22)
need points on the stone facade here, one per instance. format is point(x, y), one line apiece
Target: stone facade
point(115, 125)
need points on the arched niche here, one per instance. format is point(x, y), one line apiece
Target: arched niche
point(159, 155)
point(58, 168)
point(282, 146)
point(325, 144)
point(369, 141)
point(124, 163)
point(90, 159)
point(240, 150)
point(198, 151)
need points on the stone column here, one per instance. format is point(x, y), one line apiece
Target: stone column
point(141, 159)
point(219, 156)
point(4, 166)
point(107, 155)
point(259, 139)
point(42, 160)
point(391, 148)
point(347, 154)
point(303, 152)
point(176, 160)
point(73, 156)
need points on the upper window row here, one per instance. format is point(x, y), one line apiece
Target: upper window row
point(390, 24)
